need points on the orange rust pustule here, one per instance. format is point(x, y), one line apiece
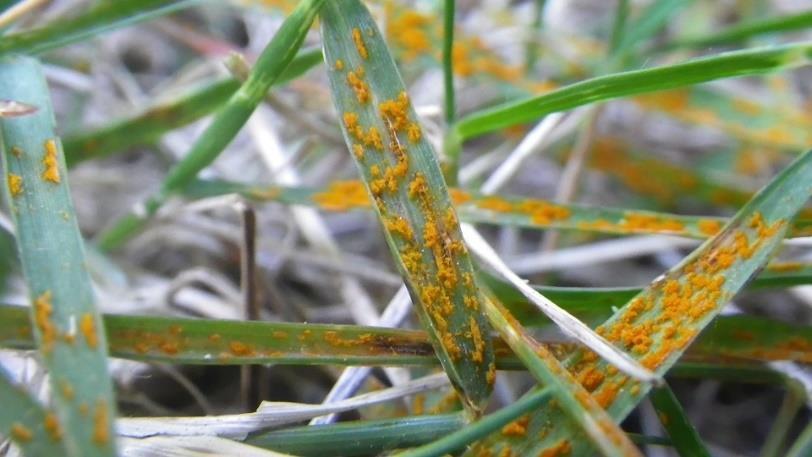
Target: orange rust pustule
point(342, 196)
point(542, 212)
point(517, 427)
point(52, 426)
point(50, 162)
point(240, 349)
point(709, 227)
point(649, 223)
point(15, 185)
point(21, 433)
point(358, 85)
point(358, 39)
point(88, 328)
point(101, 426)
point(43, 309)
point(559, 449)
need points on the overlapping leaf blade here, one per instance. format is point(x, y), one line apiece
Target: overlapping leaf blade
point(659, 323)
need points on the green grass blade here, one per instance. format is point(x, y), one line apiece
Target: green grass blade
point(448, 60)
point(228, 121)
point(220, 342)
point(151, 124)
point(648, 23)
point(33, 429)
point(401, 174)
point(359, 438)
point(482, 427)
point(66, 323)
point(740, 63)
point(476, 208)
point(746, 30)
point(803, 445)
point(618, 26)
point(673, 419)
point(779, 430)
point(103, 17)
point(576, 403)
point(659, 323)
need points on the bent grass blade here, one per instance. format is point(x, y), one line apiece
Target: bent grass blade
point(658, 324)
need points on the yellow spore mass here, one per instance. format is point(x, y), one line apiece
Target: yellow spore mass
point(42, 316)
point(88, 328)
point(358, 38)
point(101, 429)
point(15, 184)
point(51, 172)
point(21, 433)
point(343, 195)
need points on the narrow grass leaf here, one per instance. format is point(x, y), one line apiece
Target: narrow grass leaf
point(576, 403)
point(35, 431)
point(673, 419)
point(402, 176)
point(228, 121)
point(568, 323)
point(151, 124)
point(649, 22)
point(223, 342)
point(67, 326)
point(750, 29)
point(739, 63)
point(488, 209)
point(803, 445)
point(359, 438)
point(102, 17)
point(660, 322)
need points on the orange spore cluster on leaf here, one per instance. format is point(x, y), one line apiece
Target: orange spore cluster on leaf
point(15, 184)
point(101, 427)
point(21, 433)
point(52, 426)
point(342, 196)
point(410, 31)
point(709, 227)
point(517, 427)
point(358, 39)
point(541, 212)
point(43, 309)
point(88, 328)
point(560, 449)
point(358, 85)
point(649, 223)
point(49, 160)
